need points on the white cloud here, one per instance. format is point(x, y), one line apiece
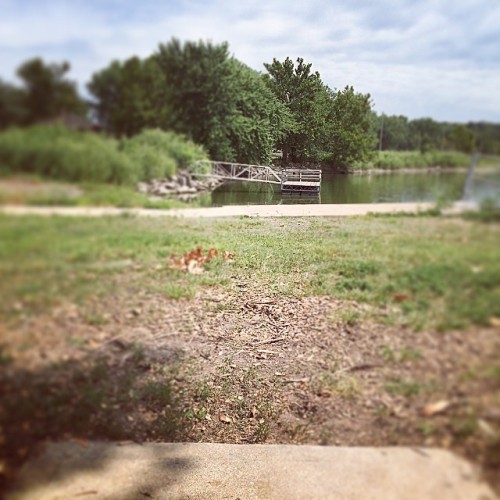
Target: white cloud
point(424, 58)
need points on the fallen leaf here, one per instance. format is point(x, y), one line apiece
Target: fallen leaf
point(225, 418)
point(494, 321)
point(435, 408)
point(400, 297)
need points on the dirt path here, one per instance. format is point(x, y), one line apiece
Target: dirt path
point(318, 210)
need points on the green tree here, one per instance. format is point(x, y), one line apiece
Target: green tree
point(12, 105)
point(48, 92)
point(426, 134)
point(350, 137)
point(461, 138)
point(130, 96)
point(219, 102)
point(393, 132)
point(307, 99)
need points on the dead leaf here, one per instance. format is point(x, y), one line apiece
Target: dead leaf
point(225, 418)
point(494, 321)
point(435, 408)
point(400, 297)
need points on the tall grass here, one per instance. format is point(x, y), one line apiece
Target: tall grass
point(160, 154)
point(58, 153)
point(393, 160)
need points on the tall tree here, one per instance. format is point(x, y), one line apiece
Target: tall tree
point(219, 102)
point(48, 92)
point(129, 96)
point(350, 136)
point(12, 105)
point(307, 100)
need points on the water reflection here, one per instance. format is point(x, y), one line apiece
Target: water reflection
point(350, 189)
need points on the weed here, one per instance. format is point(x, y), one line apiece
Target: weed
point(406, 388)
point(388, 354)
point(177, 291)
point(409, 354)
point(262, 431)
point(346, 387)
point(202, 391)
point(157, 394)
point(426, 428)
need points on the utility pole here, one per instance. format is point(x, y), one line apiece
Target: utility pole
point(381, 133)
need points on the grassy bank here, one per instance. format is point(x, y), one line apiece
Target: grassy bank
point(419, 271)
point(395, 160)
point(56, 153)
point(32, 190)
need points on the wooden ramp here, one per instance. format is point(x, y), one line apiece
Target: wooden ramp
point(291, 180)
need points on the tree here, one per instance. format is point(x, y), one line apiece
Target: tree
point(461, 138)
point(350, 136)
point(12, 105)
point(129, 96)
point(394, 132)
point(48, 92)
point(307, 99)
point(426, 134)
point(219, 102)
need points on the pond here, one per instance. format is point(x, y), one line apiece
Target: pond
point(376, 188)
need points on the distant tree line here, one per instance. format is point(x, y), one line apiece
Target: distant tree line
point(236, 113)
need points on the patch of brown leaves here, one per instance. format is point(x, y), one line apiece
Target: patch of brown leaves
point(194, 261)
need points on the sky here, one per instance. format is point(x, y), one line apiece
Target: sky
point(418, 58)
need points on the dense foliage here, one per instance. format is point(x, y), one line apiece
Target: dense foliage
point(46, 94)
point(59, 153)
point(235, 113)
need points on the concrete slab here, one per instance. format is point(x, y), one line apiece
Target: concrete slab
point(208, 471)
point(306, 210)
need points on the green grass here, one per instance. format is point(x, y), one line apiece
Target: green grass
point(394, 160)
point(448, 271)
point(88, 195)
point(56, 152)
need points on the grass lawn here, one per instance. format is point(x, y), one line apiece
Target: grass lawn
point(421, 271)
point(319, 330)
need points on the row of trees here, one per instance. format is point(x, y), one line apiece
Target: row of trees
point(236, 113)
point(200, 90)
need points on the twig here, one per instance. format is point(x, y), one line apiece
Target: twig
point(270, 341)
point(355, 368)
point(297, 380)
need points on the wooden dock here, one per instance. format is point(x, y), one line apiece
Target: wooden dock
point(298, 180)
point(291, 180)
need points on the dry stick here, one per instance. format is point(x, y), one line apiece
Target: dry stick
point(355, 368)
point(271, 341)
point(297, 380)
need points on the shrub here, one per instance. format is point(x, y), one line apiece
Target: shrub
point(59, 153)
point(161, 153)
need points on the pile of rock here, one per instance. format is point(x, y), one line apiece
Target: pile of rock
point(182, 185)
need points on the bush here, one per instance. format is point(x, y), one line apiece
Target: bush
point(59, 153)
point(160, 153)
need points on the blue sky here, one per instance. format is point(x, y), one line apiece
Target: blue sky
point(418, 58)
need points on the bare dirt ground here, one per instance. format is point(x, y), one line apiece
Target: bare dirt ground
point(243, 366)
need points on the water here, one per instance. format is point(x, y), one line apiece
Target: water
point(379, 188)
